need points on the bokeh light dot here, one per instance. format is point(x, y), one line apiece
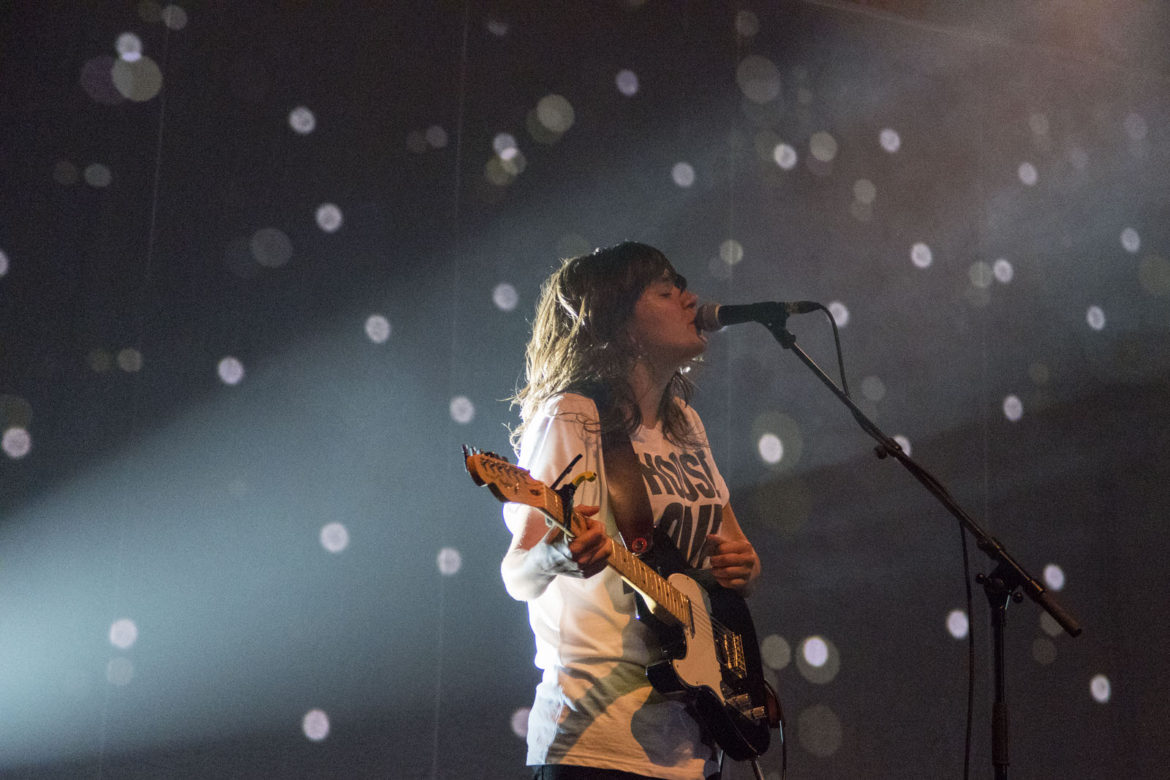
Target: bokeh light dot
point(873, 388)
point(98, 175)
point(17, 442)
point(785, 156)
point(1095, 316)
point(140, 80)
point(864, 191)
point(231, 371)
point(329, 217)
point(921, 255)
point(302, 120)
point(334, 537)
point(1028, 174)
point(270, 247)
point(129, 360)
point(839, 312)
point(890, 140)
point(1101, 689)
point(555, 113)
point(123, 633)
point(957, 623)
point(823, 146)
point(683, 174)
point(3, 263)
point(1013, 408)
point(462, 409)
point(436, 136)
point(775, 652)
point(627, 82)
point(731, 251)
point(129, 47)
point(1003, 271)
point(449, 561)
point(771, 449)
point(819, 730)
point(378, 329)
point(519, 722)
point(980, 274)
point(758, 79)
point(315, 725)
point(904, 443)
point(1043, 650)
point(174, 17)
point(1130, 240)
point(505, 297)
point(1054, 576)
point(747, 24)
point(815, 651)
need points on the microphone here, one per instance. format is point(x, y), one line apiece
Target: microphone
point(713, 316)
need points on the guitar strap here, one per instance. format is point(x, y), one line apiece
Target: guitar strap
point(623, 479)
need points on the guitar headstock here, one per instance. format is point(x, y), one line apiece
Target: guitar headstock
point(506, 481)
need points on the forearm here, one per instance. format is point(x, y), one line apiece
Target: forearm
point(527, 573)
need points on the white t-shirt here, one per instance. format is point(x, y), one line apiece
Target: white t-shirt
point(594, 705)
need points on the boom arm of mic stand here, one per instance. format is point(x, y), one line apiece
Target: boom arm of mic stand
point(1012, 573)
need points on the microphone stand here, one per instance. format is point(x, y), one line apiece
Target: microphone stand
point(1006, 580)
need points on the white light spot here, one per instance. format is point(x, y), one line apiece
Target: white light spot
point(758, 79)
point(130, 360)
point(555, 113)
point(775, 652)
point(505, 297)
point(334, 537)
point(785, 156)
point(123, 633)
point(436, 136)
point(683, 174)
point(839, 312)
point(890, 140)
point(449, 561)
point(497, 27)
point(957, 623)
point(1003, 271)
point(1054, 576)
point(771, 448)
point(16, 443)
point(980, 274)
point(1043, 650)
point(921, 255)
point(302, 120)
point(378, 328)
point(462, 410)
point(520, 722)
point(747, 24)
point(1101, 689)
point(627, 82)
point(903, 442)
point(731, 251)
point(1095, 316)
point(174, 17)
point(119, 671)
point(1028, 174)
point(864, 191)
point(823, 146)
point(1013, 408)
point(3, 263)
point(1135, 127)
point(504, 145)
point(270, 247)
point(129, 47)
point(819, 730)
point(139, 80)
point(98, 175)
point(329, 218)
point(815, 651)
point(315, 724)
point(1131, 240)
point(231, 371)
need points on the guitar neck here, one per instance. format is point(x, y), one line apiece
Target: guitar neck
point(664, 600)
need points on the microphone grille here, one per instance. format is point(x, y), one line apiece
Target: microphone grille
point(707, 317)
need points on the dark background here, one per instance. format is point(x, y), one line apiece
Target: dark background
point(136, 484)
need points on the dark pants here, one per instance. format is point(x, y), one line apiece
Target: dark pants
point(569, 772)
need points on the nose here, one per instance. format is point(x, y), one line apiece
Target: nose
point(689, 299)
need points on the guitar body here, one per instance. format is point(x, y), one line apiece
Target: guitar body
point(714, 663)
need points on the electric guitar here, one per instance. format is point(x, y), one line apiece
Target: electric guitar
point(710, 655)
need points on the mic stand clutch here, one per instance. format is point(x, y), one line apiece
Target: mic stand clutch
point(1004, 583)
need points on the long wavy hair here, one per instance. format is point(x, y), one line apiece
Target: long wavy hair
point(580, 341)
